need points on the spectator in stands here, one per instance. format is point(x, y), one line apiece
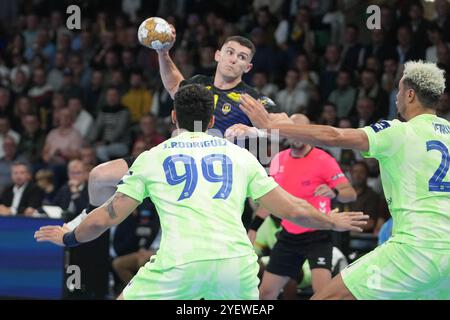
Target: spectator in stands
point(10, 156)
point(329, 115)
point(418, 25)
point(32, 140)
point(110, 130)
point(64, 142)
point(137, 99)
point(73, 196)
point(261, 82)
point(365, 113)
point(308, 77)
point(41, 91)
point(331, 67)
point(436, 38)
point(443, 109)
point(23, 105)
point(292, 99)
point(344, 96)
point(42, 45)
point(370, 88)
point(5, 130)
point(184, 62)
point(19, 83)
point(93, 93)
point(263, 58)
point(44, 180)
point(83, 119)
point(379, 47)
point(55, 76)
point(207, 63)
point(30, 33)
point(297, 34)
point(88, 157)
point(443, 54)
point(367, 201)
point(148, 133)
point(5, 103)
point(442, 14)
point(352, 51)
point(23, 197)
point(69, 87)
point(405, 48)
point(49, 115)
point(128, 62)
point(81, 72)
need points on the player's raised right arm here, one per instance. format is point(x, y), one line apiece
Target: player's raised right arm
point(300, 212)
point(170, 75)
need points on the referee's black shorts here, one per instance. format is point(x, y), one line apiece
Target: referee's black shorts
point(291, 251)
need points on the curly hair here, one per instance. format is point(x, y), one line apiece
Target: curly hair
point(426, 79)
point(193, 104)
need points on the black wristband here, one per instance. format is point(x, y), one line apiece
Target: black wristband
point(256, 223)
point(336, 191)
point(69, 239)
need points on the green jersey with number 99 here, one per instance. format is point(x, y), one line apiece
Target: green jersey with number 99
point(199, 184)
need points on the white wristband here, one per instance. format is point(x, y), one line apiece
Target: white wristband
point(77, 220)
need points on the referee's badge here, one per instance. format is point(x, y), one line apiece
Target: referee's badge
point(226, 108)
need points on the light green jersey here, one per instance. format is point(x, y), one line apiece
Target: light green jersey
point(266, 236)
point(199, 185)
point(414, 163)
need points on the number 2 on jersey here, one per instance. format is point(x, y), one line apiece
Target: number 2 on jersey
point(436, 183)
point(191, 173)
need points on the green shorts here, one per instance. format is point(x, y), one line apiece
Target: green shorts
point(397, 271)
point(234, 278)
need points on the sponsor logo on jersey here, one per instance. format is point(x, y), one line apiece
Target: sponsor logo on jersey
point(226, 108)
point(339, 175)
point(323, 206)
point(377, 127)
point(321, 261)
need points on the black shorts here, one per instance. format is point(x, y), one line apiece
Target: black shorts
point(291, 251)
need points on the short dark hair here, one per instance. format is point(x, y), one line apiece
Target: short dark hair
point(22, 163)
point(363, 164)
point(243, 42)
point(193, 103)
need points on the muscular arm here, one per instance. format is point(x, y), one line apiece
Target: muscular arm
point(296, 210)
point(300, 212)
point(325, 136)
point(309, 134)
point(103, 180)
point(170, 75)
point(111, 213)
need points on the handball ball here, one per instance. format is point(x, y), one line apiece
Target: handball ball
point(155, 33)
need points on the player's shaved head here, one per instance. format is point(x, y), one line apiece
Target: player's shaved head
point(299, 118)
